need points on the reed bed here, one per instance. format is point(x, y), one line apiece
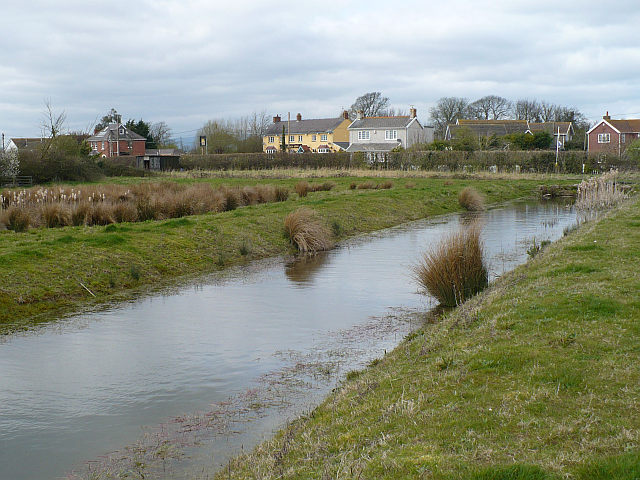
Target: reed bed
point(470, 199)
point(307, 232)
point(303, 188)
point(454, 270)
point(600, 192)
point(105, 204)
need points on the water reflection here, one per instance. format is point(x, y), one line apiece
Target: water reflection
point(302, 269)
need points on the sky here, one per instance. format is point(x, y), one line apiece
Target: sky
point(186, 62)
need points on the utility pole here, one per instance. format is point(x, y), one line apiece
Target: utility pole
point(289, 127)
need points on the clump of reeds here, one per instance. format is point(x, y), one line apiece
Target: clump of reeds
point(302, 189)
point(307, 232)
point(124, 212)
point(353, 185)
point(409, 185)
point(281, 193)
point(599, 192)
point(366, 185)
point(471, 200)
point(322, 187)
point(16, 219)
point(454, 271)
point(385, 185)
point(55, 215)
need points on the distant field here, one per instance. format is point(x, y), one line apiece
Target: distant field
point(42, 271)
point(538, 378)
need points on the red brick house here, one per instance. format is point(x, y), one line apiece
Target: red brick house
point(115, 140)
point(612, 136)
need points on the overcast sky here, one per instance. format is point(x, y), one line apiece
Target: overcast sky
point(185, 62)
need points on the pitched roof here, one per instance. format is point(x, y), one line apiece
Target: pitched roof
point(342, 145)
point(296, 127)
point(488, 129)
point(110, 133)
point(551, 127)
point(382, 122)
point(27, 143)
point(494, 121)
point(631, 125)
point(372, 147)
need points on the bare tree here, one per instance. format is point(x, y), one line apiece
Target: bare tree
point(258, 123)
point(53, 122)
point(161, 133)
point(547, 111)
point(372, 104)
point(448, 110)
point(528, 110)
point(490, 107)
point(393, 112)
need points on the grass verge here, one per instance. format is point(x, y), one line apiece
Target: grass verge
point(42, 271)
point(536, 378)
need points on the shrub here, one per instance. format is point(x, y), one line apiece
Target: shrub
point(306, 231)
point(471, 200)
point(16, 219)
point(302, 189)
point(55, 215)
point(282, 194)
point(454, 271)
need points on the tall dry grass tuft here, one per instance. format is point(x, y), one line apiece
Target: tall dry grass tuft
point(16, 219)
point(282, 194)
point(55, 215)
point(322, 187)
point(302, 189)
point(471, 200)
point(600, 192)
point(385, 185)
point(454, 271)
point(307, 232)
point(366, 185)
point(124, 212)
point(100, 214)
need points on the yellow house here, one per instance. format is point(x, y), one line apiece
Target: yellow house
point(320, 135)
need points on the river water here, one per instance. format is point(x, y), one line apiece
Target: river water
point(194, 375)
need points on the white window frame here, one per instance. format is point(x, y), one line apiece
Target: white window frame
point(364, 135)
point(323, 150)
point(313, 138)
point(604, 138)
point(272, 139)
point(623, 137)
point(323, 137)
point(292, 138)
point(300, 138)
point(390, 134)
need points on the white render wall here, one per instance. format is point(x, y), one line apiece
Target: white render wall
point(407, 136)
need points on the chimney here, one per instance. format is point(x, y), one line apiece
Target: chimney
point(277, 119)
point(299, 117)
point(606, 117)
point(360, 115)
point(95, 130)
point(413, 112)
point(345, 114)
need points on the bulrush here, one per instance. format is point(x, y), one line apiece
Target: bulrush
point(307, 232)
point(454, 270)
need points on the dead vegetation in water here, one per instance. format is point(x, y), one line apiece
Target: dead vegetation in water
point(454, 270)
point(600, 192)
point(307, 232)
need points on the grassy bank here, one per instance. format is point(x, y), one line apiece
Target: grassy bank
point(44, 272)
point(537, 378)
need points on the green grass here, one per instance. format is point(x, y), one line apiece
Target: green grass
point(41, 270)
point(537, 378)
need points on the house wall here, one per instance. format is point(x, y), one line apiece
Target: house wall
point(407, 136)
point(340, 134)
point(611, 147)
point(111, 148)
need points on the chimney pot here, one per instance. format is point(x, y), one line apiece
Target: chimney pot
point(413, 112)
point(298, 117)
point(360, 115)
point(276, 119)
point(606, 117)
point(345, 114)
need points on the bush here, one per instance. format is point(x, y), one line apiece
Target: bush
point(307, 232)
point(471, 200)
point(302, 189)
point(454, 271)
point(16, 219)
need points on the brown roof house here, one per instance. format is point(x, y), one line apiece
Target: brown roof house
point(317, 135)
point(612, 136)
point(562, 131)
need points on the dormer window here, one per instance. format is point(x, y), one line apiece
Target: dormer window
point(122, 131)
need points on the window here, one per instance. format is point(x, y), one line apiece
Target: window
point(313, 138)
point(323, 150)
point(300, 138)
point(323, 137)
point(271, 139)
point(292, 138)
point(391, 135)
point(604, 137)
point(94, 145)
point(623, 138)
point(102, 145)
point(364, 135)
